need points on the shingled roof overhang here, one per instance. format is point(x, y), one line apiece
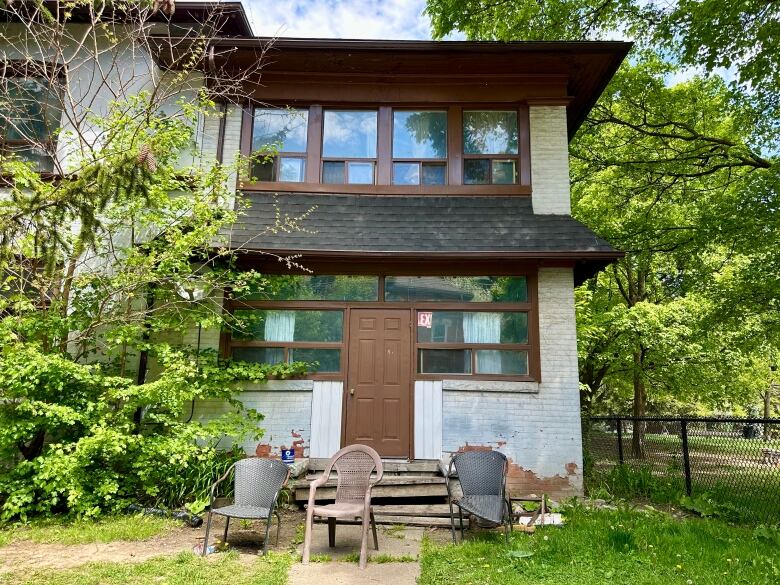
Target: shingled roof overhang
point(580, 69)
point(426, 228)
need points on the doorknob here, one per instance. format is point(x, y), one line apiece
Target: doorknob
point(351, 391)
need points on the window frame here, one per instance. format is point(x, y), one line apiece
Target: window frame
point(530, 306)
point(383, 163)
point(55, 75)
point(277, 157)
point(492, 158)
point(422, 160)
point(346, 160)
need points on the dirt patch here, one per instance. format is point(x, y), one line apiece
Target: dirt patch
point(245, 538)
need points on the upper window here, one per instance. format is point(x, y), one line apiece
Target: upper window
point(490, 147)
point(308, 287)
point(419, 147)
point(457, 289)
point(30, 115)
point(279, 137)
point(349, 139)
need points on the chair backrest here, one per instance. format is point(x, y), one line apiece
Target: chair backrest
point(354, 465)
point(258, 481)
point(481, 473)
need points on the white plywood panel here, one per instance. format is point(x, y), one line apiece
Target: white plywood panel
point(326, 404)
point(427, 419)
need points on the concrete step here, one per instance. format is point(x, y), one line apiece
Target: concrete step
point(391, 466)
point(400, 486)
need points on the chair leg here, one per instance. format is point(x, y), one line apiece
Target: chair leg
point(331, 532)
point(452, 522)
point(224, 535)
point(206, 540)
point(278, 525)
point(267, 531)
point(307, 537)
point(364, 541)
point(373, 529)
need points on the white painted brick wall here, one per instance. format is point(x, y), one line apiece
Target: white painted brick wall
point(287, 417)
point(549, 160)
point(539, 432)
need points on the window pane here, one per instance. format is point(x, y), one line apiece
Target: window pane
point(461, 289)
point(471, 327)
point(287, 325)
point(500, 361)
point(419, 134)
point(292, 169)
point(295, 287)
point(489, 132)
point(504, 172)
point(333, 172)
point(44, 163)
point(444, 361)
point(259, 355)
point(476, 171)
point(360, 173)
point(434, 174)
point(328, 360)
point(34, 112)
point(349, 134)
point(285, 129)
point(406, 173)
point(263, 169)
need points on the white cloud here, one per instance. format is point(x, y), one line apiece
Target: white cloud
point(346, 19)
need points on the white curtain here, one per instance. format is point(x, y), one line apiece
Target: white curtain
point(484, 328)
point(279, 325)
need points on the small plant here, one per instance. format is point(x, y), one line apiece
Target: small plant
point(245, 524)
point(320, 558)
point(395, 531)
point(299, 535)
point(385, 558)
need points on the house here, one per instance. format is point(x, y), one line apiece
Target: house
point(439, 249)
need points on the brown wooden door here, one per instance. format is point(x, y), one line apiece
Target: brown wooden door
point(379, 380)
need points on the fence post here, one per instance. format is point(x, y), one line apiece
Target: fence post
point(620, 439)
point(686, 457)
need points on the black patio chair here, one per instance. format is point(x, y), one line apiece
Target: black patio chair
point(482, 476)
point(257, 484)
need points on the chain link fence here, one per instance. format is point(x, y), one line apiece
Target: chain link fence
point(733, 462)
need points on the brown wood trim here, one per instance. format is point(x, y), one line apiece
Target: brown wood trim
point(532, 346)
point(524, 144)
point(550, 101)
point(400, 258)
point(384, 152)
point(455, 146)
point(387, 189)
point(314, 144)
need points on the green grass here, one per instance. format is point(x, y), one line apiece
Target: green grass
point(87, 531)
point(603, 546)
point(184, 569)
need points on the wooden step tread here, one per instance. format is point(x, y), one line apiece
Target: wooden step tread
point(390, 466)
point(386, 481)
point(413, 510)
point(422, 521)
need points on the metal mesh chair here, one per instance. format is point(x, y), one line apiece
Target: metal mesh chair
point(354, 465)
point(257, 484)
point(482, 476)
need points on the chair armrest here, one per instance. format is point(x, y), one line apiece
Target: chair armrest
point(213, 492)
point(320, 481)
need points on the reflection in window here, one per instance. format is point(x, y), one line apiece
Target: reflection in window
point(420, 135)
point(29, 118)
point(300, 287)
point(282, 133)
point(472, 327)
point(461, 289)
point(326, 360)
point(489, 132)
point(486, 133)
point(287, 325)
point(502, 362)
point(444, 361)
point(349, 135)
point(259, 355)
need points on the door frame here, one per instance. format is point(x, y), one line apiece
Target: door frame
point(412, 366)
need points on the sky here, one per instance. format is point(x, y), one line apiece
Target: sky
point(346, 19)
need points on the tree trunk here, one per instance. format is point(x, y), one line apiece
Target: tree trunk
point(34, 448)
point(767, 411)
point(640, 401)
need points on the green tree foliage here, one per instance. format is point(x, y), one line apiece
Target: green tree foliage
point(677, 175)
point(103, 271)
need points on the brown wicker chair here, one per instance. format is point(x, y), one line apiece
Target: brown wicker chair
point(354, 465)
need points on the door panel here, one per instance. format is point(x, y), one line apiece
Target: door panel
point(379, 380)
